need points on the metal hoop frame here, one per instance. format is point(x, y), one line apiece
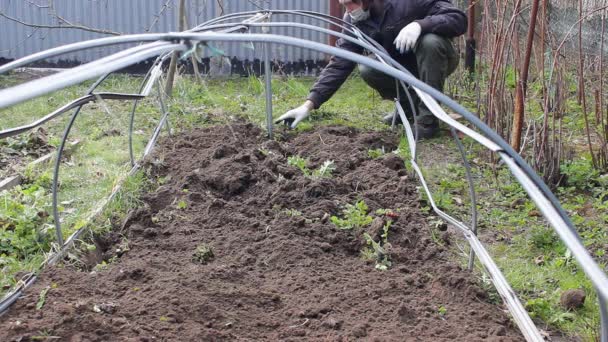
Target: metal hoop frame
point(164, 44)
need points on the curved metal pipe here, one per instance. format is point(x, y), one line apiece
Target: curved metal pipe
point(537, 189)
point(76, 103)
point(43, 86)
point(89, 44)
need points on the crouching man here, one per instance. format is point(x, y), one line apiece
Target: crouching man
point(416, 33)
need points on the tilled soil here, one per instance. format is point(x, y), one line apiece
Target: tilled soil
point(280, 270)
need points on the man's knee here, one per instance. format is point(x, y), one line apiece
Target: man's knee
point(369, 75)
point(435, 53)
point(431, 43)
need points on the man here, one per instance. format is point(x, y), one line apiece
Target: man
point(416, 33)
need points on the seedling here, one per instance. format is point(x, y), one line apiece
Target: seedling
point(325, 171)
point(182, 205)
point(374, 251)
point(376, 153)
point(355, 217)
point(377, 251)
point(300, 163)
point(292, 212)
point(42, 298)
point(203, 254)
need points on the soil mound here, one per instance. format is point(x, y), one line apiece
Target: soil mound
point(237, 244)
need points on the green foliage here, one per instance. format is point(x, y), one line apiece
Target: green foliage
point(42, 298)
point(544, 239)
point(24, 223)
point(580, 174)
point(375, 154)
point(324, 171)
point(377, 251)
point(300, 163)
point(203, 254)
point(182, 205)
point(539, 308)
point(354, 217)
point(292, 212)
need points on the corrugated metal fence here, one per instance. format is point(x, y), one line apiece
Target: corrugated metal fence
point(18, 39)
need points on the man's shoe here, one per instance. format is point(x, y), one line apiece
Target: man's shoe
point(426, 131)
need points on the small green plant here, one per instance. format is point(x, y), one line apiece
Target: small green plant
point(182, 205)
point(355, 217)
point(42, 298)
point(324, 171)
point(442, 311)
point(377, 251)
point(292, 212)
point(376, 153)
point(102, 266)
point(203, 254)
point(300, 163)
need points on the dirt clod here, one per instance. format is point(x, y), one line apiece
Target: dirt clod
point(573, 299)
point(272, 276)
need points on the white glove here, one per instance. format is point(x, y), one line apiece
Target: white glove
point(407, 38)
point(294, 116)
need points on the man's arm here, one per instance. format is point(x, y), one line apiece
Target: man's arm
point(334, 74)
point(443, 18)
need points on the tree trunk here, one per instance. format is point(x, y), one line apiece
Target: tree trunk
point(522, 85)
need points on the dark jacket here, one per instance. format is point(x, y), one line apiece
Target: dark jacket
point(387, 18)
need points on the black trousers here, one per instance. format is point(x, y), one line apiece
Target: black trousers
point(436, 59)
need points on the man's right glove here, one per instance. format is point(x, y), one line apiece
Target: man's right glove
point(407, 38)
point(293, 117)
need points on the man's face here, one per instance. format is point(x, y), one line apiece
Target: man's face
point(351, 6)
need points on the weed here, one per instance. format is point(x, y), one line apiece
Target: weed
point(300, 163)
point(376, 153)
point(324, 171)
point(355, 217)
point(182, 205)
point(42, 298)
point(378, 251)
point(442, 311)
point(292, 212)
point(203, 254)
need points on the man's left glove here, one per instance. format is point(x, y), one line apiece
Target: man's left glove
point(407, 38)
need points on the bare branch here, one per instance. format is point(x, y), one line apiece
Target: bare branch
point(34, 4)
point(67, 26)
point(54, 13)
point(160, 13)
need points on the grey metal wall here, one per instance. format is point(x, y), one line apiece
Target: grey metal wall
point(136, 16)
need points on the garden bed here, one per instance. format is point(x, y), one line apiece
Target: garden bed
point(252, 239)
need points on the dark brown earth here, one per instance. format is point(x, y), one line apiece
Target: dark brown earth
point(273, 275)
